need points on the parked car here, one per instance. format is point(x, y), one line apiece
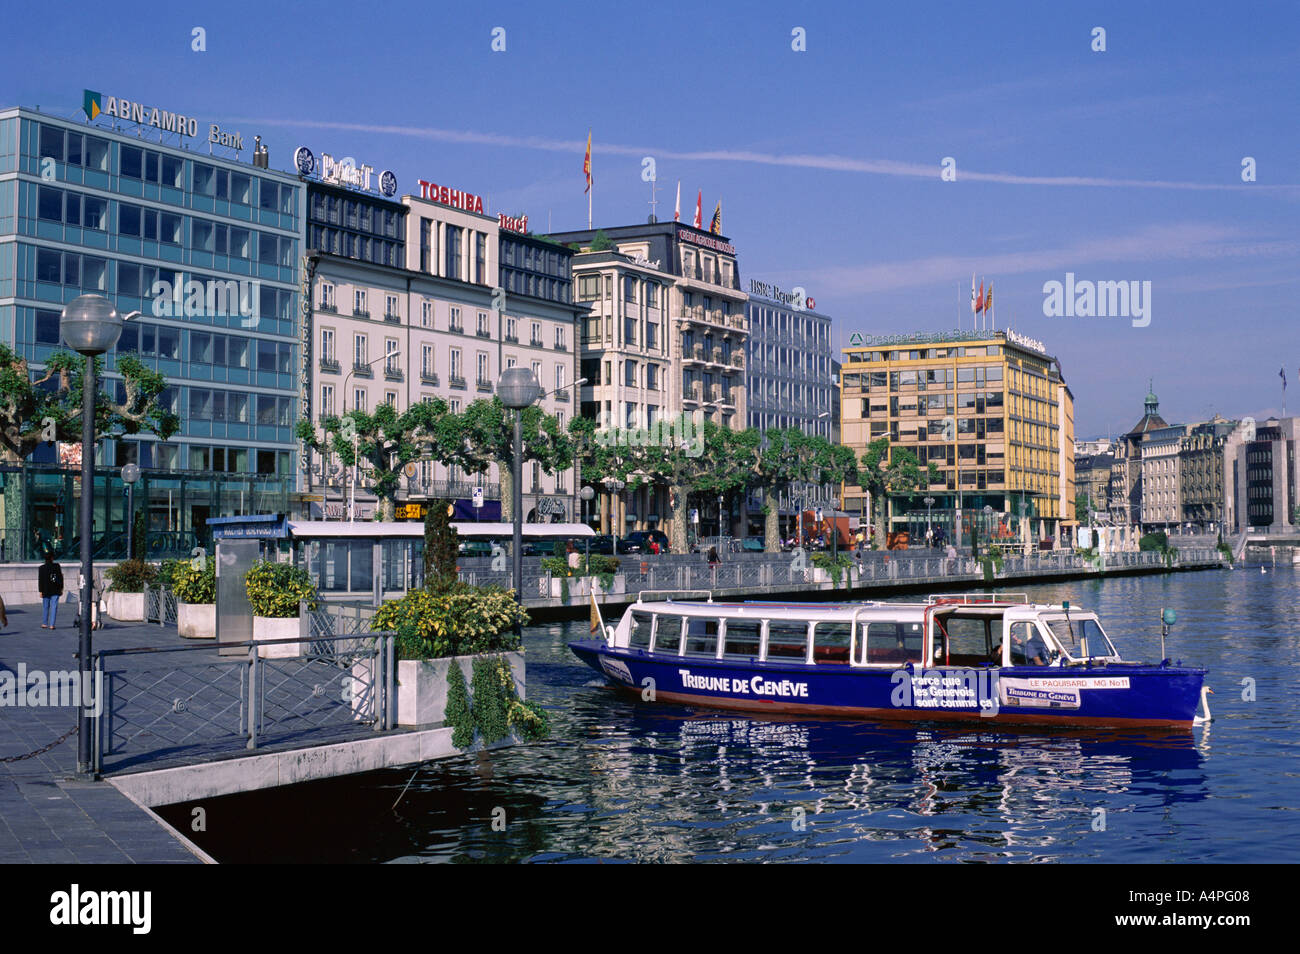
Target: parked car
point(602, 543)
point(753, 545)
point(643, 539)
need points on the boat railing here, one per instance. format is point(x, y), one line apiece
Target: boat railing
point(667, 595)
point(977, 598)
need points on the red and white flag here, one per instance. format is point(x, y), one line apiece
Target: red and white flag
point(699, 209)
point(979, 302)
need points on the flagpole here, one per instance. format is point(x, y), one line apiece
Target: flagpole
point(589, 191)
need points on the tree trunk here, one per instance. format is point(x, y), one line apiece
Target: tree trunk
point(387, 508)
point(678, 529)
point(771, 522)
point(507, 478)
point(881, 504)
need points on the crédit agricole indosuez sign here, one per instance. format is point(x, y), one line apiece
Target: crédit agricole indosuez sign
point(129, 111)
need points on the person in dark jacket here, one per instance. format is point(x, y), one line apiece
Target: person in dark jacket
point(50, 582)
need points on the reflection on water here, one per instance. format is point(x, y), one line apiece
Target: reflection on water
point(632, 781)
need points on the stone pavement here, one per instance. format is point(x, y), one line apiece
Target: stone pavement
point(46, 814)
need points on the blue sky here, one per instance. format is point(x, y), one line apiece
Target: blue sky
point(1115, 165)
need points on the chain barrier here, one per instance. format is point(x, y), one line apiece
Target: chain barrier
point(41, 751)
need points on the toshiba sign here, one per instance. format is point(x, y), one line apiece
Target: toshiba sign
point(452, 197)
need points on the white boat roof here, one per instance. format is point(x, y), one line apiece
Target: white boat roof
point(415, 528)
point(839, 612)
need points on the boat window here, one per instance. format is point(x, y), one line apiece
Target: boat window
point(638, 633)
point(701, 637)
point(968, 640)
point(831, 642)
point(668, 634)
point(787, 640)
point(741, 639)
point(1081, 638)
point(893, 643)
point(1028, 648)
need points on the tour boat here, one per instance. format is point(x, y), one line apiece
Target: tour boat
point(974, 657)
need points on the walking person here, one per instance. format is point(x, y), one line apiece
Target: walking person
point(50, 582)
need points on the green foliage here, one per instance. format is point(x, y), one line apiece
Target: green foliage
point(490, 705)
point(1081, 507)
point(892, 472)
point(131, 576)
point(1157, 541)
point(457, 620)
point(275, 589)
point(835, 565)
point(193, 585)
point(595, 564)
point(1226, 551)
point(167, 571)
point(441, 545)
point(139, 534)
point(600, 242)
point(458, 715)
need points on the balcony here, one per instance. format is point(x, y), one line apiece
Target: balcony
point(561, 346)
point(429, 378)
point(454, 489)
point(535, 343)
point(738, 359)
point(561, 395)
point(394, 374)
point(483, 333)
point(457, 382)
point(456, 326)
point(362, 370)
point(328, 307)
point(512, 339)
point(392, 317)
point(484, 385)
point(360, 313)
point(330, 365)
point(692, 393)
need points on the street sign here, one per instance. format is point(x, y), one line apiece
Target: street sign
point(695, 515)
point(412, 511)
point(478, 496)
point(819, 513)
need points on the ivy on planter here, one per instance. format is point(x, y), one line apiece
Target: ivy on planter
point(497, 709)
point(834, 565)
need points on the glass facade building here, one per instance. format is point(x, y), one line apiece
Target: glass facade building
point(207, 249)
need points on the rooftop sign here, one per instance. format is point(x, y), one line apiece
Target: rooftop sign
point(96, 104)
point(343, 172)
point(452, 197)
point(708, 241)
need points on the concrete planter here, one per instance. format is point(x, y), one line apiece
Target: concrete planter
point(196, 620)
point(422, 685)
point(267, 627)
point(126, 607)
point(620, 585)
point(578, 586)
point(819, 575)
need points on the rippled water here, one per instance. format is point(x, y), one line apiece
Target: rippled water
point(623, 780)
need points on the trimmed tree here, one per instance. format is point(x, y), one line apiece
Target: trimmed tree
point(484, 435)
point(37, 409)
point(891, 472)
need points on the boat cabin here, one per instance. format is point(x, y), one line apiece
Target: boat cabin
point(970, 630)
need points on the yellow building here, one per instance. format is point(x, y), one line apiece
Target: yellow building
point(989, 409)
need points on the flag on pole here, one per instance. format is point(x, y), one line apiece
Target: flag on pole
point(1282, 371)
point(677, 212)
point(699, 209)
point(586, 163)
point(988, 299)
point(972, 293)
point(979, 302)
point(715, 226)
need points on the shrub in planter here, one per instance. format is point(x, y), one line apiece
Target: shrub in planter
point(131, 576)
point(275, 589)
point(455, 620)
point(167, 571)
point(834, 565)
point(194, 585)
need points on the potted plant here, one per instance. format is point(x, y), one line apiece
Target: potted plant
point(450, 624)
point(125, 597)
point(275, 592)
point(594, 571)
point(195, 584)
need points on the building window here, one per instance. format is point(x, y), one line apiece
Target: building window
point(359, 303)
point(327, 344)
point(390, 398)
point(484, 374)
point(326, 400)
point(483, 324)
point(359, 351)
point(359, 399)
point(390, 307)
point(457, 374)
point(561, 341)
point(588, 287)
point(426, 313)
point(536, 340)
point(511, 333)
point(390, 356)
point(480, 258)
point(454, 321)
point(453, 252)
point(629, 374)
point(561, 378)
point(537, 371)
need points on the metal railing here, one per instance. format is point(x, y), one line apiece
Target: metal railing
point(751, 572)
point(159, 605)
point(171, 702)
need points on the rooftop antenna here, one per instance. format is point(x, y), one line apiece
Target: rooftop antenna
point(654, 202)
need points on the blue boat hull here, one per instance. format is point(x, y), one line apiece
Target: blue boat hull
point(1115, 695)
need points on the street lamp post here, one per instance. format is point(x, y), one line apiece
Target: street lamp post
point(130, 474)
point(929, 527)
point(587, 494)
point(615, 487)
point(356, 438)
point(518, 388)
point(91, 326)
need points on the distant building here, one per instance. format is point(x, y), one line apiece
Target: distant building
point(1260, 480)
point(1126, 470)
point(1201, 455)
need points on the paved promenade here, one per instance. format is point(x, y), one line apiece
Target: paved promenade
point(46, 815)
